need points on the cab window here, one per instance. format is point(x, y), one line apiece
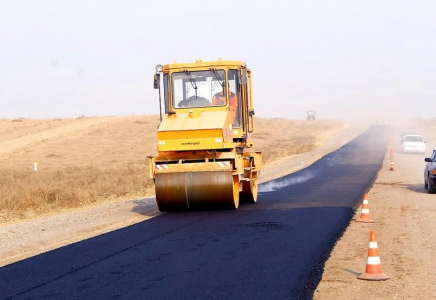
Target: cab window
point(235, 92)
point(197, 88)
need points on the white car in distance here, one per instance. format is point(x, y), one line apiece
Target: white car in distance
point(413, 143)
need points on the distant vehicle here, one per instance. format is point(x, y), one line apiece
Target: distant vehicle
point(430, 174)
point(310, 114)
point(413, 143)
point(404, 134)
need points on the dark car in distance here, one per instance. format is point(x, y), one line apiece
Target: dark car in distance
point(430, 173)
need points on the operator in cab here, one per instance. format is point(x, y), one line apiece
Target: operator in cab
point(220, 99)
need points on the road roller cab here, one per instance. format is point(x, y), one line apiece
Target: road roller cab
point(204, 135)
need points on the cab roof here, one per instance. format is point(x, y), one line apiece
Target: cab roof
point(203, 64)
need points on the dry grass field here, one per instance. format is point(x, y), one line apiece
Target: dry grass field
point(91, 160)
point(277, 138)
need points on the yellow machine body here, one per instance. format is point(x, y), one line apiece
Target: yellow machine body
point(204, 137)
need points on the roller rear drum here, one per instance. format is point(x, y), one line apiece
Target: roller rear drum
point(197, 190)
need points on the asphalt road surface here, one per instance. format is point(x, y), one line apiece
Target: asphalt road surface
point(274, 249)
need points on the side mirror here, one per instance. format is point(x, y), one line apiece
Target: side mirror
point(427, 159)
point(156, 84)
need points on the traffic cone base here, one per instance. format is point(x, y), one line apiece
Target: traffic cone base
point(364, 214)
point(375, 277)
point(391, 168)
point(365, 220)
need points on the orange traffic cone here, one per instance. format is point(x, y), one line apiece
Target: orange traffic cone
point(373, 265)
point(391, 168)
point(364, 213)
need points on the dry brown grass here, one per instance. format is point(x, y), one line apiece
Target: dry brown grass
point(41, 192)
point(280, 137)
point(89, 160)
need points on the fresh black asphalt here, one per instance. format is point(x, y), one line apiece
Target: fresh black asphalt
point(274, 249)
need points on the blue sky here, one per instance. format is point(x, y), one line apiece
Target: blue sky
point(345, 59)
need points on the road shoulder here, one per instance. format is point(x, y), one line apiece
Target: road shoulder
point(406, 236)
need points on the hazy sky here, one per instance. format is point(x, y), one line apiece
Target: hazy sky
point(345, 59)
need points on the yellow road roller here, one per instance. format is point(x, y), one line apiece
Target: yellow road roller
point(203, 137)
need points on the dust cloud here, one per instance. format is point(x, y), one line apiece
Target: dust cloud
point(275, 185)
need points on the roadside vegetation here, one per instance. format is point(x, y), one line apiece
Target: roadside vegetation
point(277, 138)
point(23, 192)
point(105, 159)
